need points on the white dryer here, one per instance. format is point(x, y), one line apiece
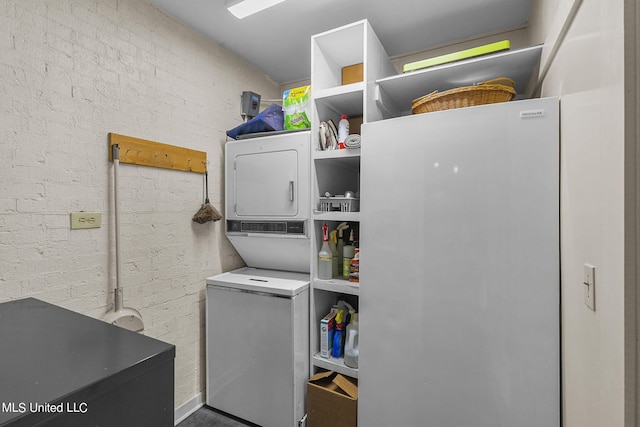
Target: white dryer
point(267, 200)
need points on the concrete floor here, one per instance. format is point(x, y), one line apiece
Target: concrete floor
point(207, 416)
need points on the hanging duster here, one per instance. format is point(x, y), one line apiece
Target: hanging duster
point(207, 212)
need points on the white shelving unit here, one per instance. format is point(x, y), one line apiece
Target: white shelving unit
point(337, 171)
point(382, 94)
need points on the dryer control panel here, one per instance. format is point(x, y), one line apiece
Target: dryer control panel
point(275, 227)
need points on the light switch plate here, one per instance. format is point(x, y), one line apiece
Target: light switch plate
point(81, 220)
point(589, 283)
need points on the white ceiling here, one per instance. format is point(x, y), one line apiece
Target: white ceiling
point(278, 40)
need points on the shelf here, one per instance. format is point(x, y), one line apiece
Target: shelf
point(341, 286)
point(352, 90)
point(333, 50)
point(336, 216)
point(336, 365)
point(396, 93)
point(338, 154)
point(335, 101)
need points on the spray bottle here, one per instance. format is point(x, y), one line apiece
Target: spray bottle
point(333, 245)
point(336, 350)
point(347, 308)
point(325, 256)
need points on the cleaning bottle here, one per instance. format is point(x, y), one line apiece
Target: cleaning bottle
point(347, 308)
point(325, 256)
point(336, 350)
point(343, 131)
point(351, 350)
point(347, 253)
point(333, 245)
point(354, 265)
point(341, 227)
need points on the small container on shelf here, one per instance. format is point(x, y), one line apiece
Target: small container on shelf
point(339, 204)
point(346, 202)
point(354, 265)
point(327, 324)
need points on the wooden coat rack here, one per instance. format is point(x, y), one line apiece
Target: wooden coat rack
point(149, 153)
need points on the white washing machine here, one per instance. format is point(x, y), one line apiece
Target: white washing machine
point(257, 341)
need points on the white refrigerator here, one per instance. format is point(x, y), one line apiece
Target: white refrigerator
point(459, 262)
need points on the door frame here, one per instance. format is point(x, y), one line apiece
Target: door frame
point(631, 213)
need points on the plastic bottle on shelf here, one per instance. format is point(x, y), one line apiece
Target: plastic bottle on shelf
point(351, 349)
point(347, 254)
point(343, 131)
point(341, 227)
point(354, 265)
point(333, 245)
point(325, 256)
point(347, 308)
point(336, 350)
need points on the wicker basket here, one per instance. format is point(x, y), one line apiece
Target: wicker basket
point(489, 92)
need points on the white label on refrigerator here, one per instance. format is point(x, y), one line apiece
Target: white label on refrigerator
point(531, 114)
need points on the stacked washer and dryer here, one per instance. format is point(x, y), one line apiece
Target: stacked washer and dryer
point(257, 317)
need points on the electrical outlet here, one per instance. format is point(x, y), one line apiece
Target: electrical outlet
point(589, 283)
point(81, 220)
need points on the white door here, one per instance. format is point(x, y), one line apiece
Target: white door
point(459, 297)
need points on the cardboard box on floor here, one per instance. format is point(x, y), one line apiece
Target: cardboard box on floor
point(332, 401)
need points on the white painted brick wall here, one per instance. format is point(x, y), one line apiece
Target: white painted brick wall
point(71, 71)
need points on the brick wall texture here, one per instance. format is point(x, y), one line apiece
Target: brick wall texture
point(71, 71)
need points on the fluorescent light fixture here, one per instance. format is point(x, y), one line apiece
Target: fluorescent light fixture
point(249, 7)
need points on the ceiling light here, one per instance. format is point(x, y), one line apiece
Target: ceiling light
point(249, 7)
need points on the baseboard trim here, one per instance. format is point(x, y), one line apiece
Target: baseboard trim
point(188, 408)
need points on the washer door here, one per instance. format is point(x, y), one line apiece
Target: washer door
point(250, 368)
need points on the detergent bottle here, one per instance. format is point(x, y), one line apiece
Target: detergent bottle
point(343, 130)
point(351, 350)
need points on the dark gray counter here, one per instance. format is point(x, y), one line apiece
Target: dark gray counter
point(61, 368)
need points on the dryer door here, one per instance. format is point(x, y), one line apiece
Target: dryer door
point(267, 184)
